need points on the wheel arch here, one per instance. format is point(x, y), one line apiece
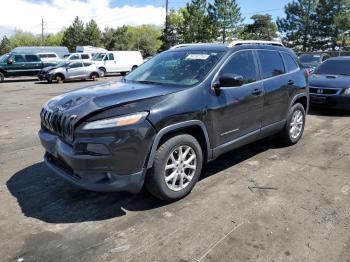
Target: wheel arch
point(196, 128)
point(303, 99)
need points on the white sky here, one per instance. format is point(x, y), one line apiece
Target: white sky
point(25, 15)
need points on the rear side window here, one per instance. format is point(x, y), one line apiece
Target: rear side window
point(74, 57)
point(51, 55)
point(42, 56)
point(85, 56)
point(87, 64)
point(271, 63)
point(32, 58)
point(289, 62)
point(242, 63)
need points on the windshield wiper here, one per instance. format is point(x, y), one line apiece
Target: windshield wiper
point(148, 82)
point(343, 74)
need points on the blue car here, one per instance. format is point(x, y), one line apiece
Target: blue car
point(330, 83)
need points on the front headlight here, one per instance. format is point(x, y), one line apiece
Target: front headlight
point(119, 121)
point(347, 91)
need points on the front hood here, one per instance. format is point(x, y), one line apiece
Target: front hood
point(48, 68)
point(335, 81)
point(85, 101)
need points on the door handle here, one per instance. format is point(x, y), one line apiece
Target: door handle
point(290, 82)
point(256, 91)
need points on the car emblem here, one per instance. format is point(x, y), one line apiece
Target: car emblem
point(319, 91)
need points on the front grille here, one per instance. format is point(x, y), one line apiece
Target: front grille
point(324, 91)
point(56, 123)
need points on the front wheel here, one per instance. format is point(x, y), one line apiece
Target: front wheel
point(177, 167)
point(94, 76)
point(103, 72)
point(295, 125)
point(2, 77)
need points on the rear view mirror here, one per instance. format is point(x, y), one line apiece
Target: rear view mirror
point(10, 61)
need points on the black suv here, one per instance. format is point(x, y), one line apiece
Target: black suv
point(179, 110)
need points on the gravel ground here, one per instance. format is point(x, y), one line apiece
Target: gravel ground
point(306, 217)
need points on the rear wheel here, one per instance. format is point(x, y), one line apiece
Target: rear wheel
point(177, 167)
point(103, 72)
point(295, 125)
point(2, 77)
point(134, 67)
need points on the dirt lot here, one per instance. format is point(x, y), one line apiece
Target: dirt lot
point(306, 218)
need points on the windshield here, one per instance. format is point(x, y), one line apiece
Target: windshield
point(4, 57)
point(309, 58)
point(63, 64)
point(334, 67)
point(98, 56)
point(184, 68)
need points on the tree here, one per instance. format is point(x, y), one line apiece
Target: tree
point(116, 39)
point(298, 25)
point(24, 39)
point(145, 38)
point(227, 15)
point(173, 35)
point(197, 23)
point(54, 39)
point(74, 35)
point(92, 34)
point(263, 28)
point(5, 46)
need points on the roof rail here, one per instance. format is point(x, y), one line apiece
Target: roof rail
point(254, 42)
point(185, 45)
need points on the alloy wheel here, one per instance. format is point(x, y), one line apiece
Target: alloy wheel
point(296, 124)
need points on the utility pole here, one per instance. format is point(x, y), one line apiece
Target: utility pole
point(166, 19)
point(42, 31)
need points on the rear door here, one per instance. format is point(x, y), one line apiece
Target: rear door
point(237, 111)
point(276, 84)
point(33, 65)
point(76, 70)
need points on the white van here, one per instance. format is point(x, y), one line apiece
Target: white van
point(48, 57)
point(118, 61)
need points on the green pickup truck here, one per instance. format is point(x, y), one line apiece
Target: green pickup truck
point(14, 64)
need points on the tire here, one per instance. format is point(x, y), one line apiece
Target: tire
point(172, 189)
point(134, 67)
point(94, 76)
point(59, 78)
point(103, 72)
point(49, 81)
point(296, 119)
point(2, 77)
point(123, 73)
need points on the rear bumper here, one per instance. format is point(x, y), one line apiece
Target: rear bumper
point(336, 101)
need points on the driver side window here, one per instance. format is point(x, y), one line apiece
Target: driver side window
point(242, 63)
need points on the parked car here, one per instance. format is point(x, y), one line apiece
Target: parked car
point(14, 65)
point(164, 120)
point(78, 56)
point(330, 83)
point(118, 61)
point(312, 61)
point(61, 51)
point(70, 70)
point(49, 57)
point(90, 49)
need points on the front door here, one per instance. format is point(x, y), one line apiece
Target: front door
point(16, 65)
point(76, 70)
point(110, 63)
point(237, 111)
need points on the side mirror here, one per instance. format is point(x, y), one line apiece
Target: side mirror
point(10, 61)
point(229, 80)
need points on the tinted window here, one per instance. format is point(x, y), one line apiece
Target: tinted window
point(309, 58)
point(74, 57)
point(51, 55)
point(242, 63)
point(271, 63)
point(32, 58)
point(18, 58)
point(76, 65)
point(110, 57)
point(87, 64)
point(42, 55)
point(85, 56)
point(289, 62)
point(334, 67)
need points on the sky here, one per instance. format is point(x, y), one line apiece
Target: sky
point(26, 15)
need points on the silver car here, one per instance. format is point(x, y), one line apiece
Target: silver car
point(70, 70)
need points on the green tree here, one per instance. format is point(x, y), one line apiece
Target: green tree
point(299, 23)
point(263, 28)
point(74, 35)
point(227, 15)
point(93, 34)
point(5, 46)
point(198, 23)
point(54, 39)
point(172, 36)
point(116, 39)
point(145, 38)
point(24, 39)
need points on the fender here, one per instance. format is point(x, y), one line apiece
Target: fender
point(304, 94)
point(175, 127)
